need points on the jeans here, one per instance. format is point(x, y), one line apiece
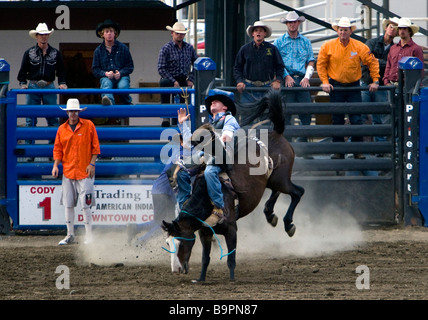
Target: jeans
point(184, 187)
point(46, 99)
point(378, 96)
point(214, 185)
point(346, 96)
point(122, 83)
point(253, 96)
point(166, 83)
point(298, 96)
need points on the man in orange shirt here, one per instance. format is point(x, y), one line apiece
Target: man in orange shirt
point(76, 147)
point(339, 65)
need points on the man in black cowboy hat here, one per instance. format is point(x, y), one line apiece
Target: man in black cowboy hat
point(112, 62)
point(221, 106)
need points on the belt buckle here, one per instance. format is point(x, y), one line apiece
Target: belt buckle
point(42, 83)
point(258, 83)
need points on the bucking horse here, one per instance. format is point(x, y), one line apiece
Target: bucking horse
point(245, 187)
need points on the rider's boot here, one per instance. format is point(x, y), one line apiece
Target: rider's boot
point(217, 217)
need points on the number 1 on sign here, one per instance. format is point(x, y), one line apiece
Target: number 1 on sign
point(46, 206)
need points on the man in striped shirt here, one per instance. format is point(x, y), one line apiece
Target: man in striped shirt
point(339, 65)
point(297, 54)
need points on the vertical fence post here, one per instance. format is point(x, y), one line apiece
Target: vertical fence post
point(205, 69)
point(4, 82)
point(410, 70)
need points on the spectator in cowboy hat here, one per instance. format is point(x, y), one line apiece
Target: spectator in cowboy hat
point(40, 64)
point(78, 156)
point(258, 64)
point(379, 46)
point(297, 54)
point(406, 47)
point(339, 65)
point(112, 63)
point(175, 64)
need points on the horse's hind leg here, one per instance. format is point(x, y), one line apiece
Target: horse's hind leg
point(296, 193)
point(271, 217)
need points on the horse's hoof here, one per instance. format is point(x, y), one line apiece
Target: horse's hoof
point(273, 220)
point(290, 230)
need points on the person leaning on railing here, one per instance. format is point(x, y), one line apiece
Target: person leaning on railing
point(339, 65)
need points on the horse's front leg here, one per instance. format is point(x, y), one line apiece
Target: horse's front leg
point(231, 247)
point(271, 217)
point(206, 240)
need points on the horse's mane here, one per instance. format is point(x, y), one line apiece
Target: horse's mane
point(272, 102)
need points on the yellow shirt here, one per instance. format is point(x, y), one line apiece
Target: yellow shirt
point(343, 64)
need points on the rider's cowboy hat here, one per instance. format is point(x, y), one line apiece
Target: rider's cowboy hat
point(344, 22)
point(226, 97)
point(406, 23)
point(259, 24)
point(108, 23)
point(73, 105)
point(42, 28)
point(393, 21)
point(178, 27)
point(292, 16)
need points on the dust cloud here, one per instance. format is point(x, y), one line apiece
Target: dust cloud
point(317, 233)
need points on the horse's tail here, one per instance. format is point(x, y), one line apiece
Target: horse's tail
point(276, 115)
point(272, 102)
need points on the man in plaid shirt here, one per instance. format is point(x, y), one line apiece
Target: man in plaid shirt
point(112, 62)
point(175, 63)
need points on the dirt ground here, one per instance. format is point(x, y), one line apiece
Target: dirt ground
point(319, 263)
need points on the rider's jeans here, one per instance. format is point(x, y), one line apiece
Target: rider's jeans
point(214, 185)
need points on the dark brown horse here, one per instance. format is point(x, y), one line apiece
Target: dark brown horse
point(249, 189)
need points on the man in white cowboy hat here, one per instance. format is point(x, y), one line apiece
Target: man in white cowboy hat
point(297, 54)
point(258, 64)
point(77, 148)
point(339, 65)
point(379, 46)
point(40, 65)
point(406, 47)
point(175, 64)
point(112, 63)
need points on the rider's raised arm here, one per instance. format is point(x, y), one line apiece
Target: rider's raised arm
point(186, 133)
point(184, 126)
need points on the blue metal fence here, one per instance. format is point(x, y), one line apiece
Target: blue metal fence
point(140, 158)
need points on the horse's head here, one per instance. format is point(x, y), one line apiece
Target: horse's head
point(180, 244)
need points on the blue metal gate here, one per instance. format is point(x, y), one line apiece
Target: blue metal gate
point(122, 162)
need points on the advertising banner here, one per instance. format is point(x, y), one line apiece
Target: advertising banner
point(114, 205)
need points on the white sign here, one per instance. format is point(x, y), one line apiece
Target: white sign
point(115, 205)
